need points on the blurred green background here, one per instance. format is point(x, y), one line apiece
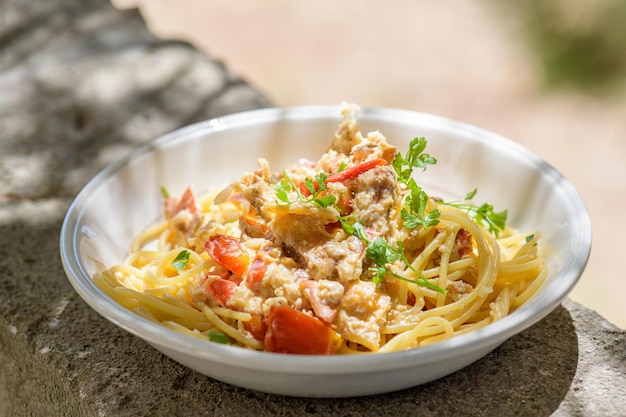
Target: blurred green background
point(580, 45)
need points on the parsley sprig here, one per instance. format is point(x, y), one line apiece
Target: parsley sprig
point(382, 253)
point(316, 189)
point(414, 211)
point(484, 215)
point(415, 158)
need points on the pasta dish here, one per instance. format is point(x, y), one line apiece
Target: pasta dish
point(344, 255)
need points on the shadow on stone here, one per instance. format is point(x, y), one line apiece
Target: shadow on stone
point(84, 83)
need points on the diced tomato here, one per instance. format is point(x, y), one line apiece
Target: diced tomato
point(187, 201)
point(256, 273)
point(229, 253)
point(254, 223)
point(256, 326)
point(354, 171)
point(223, 290)
point(292, 331)
point(252, 227)
point(305, 191)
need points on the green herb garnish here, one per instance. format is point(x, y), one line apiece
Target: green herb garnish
point(529, 238)
point(181, 261)
point(218, 337)
point(414, 158)
point(352, 227)
point(381, 253)
point(484, 215)
point(414, 211)
point(315, 188)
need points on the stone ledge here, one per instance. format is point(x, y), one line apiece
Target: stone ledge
point(83, 86)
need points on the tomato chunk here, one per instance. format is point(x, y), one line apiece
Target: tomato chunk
point(229, 253)
point(305, 191)
point(255, 274)
point(292, 331)
point(256, 326)
point(223, 290)
point(252, 227)
point(174, 205)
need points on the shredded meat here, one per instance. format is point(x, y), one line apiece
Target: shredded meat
point(362, 314)
point(463, 245)
point(376, 199)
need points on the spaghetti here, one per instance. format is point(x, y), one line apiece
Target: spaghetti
point(344, 255)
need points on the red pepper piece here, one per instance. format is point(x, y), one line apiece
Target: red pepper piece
point(346, 175)
point(354, 171)
point(229, 253)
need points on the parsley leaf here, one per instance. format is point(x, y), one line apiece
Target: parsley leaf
point(381, 253)
point(315, 188)
point(181, 261)
point(378, 274)
point(530, 238)
point(283, 188)
point(484, 215)
point(218, 337)
point(494, 221)
point(326, 201)
point(414, 158)
point(353, 228)
point(471, 194)
point(414, 213)
point(310, 185)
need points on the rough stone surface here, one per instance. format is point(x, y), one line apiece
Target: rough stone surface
point(80, 85)
point(88, 83)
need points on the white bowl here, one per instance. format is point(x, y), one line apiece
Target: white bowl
point(122, 199)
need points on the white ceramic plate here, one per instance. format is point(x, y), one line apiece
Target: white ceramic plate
point(122, 200)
